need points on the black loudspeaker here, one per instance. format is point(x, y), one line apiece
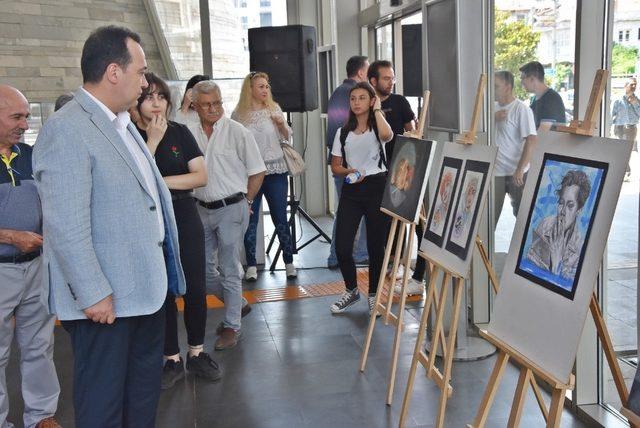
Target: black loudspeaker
point(412, 60)
point(288, 55)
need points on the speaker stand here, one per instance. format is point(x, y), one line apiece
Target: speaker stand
point(295, 209)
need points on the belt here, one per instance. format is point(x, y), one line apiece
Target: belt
point(627, 126)
point(180, 196)
point(19, 258)
point(222, 202)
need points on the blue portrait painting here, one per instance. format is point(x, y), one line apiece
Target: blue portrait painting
point(559, 222)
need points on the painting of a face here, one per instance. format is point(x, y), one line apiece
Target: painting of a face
point(467, 207)
point(568, 206)
point(559, 222)
point(442, 201)
point(407, 179)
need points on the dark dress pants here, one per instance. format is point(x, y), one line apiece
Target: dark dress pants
point(117, 371)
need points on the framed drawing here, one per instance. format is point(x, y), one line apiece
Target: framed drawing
point(467, 207)
point(442, 200)
point(559, 223)
point(407, 179)
point(554, 258)
point(459, 184)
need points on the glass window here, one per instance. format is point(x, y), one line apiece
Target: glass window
point(621, 269)
point(265, 19)
point(544, 33)
point(384, 42)
point(180, 22)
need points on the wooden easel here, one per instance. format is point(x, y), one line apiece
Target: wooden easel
point(384, 308)
point(529, 368)
point(437, 301)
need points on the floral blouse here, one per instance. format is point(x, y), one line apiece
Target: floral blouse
point(267, 137)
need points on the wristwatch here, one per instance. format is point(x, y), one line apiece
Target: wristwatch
point(250, 201)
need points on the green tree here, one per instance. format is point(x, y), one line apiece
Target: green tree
point(515, 45)
point(623, 59)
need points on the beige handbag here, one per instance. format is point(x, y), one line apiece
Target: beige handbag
point(295, 163)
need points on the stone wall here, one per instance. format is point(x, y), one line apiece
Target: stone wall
point(41, 41)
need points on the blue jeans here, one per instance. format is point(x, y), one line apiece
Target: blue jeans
point(360, 252)
point(274, 187)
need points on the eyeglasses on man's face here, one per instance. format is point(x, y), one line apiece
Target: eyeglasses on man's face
point(208, 106)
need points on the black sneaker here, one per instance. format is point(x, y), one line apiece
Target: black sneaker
point(172, 372)
point(347, 299)
point(203, 366)
point(372, 303)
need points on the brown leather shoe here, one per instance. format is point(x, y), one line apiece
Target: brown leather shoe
point(49, 422)
point(228, 339)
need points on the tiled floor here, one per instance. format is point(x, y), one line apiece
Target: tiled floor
point(297, 366)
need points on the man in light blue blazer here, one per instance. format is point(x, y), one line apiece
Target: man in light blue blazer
point(110, 239)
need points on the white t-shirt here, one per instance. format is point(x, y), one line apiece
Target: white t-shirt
point(231, 155)
point(510, 135)
point(362, 151)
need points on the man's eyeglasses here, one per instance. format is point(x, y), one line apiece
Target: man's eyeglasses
point(207, 106)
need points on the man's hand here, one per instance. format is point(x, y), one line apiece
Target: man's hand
point(26, 242)
point(518, 178)
point(501, 115)
point(102, 311)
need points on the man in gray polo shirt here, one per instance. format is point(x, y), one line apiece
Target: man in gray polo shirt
point(21, 272)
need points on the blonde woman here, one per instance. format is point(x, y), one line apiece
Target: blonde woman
point(261, 115)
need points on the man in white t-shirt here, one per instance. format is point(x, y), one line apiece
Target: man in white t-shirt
point(516, 138)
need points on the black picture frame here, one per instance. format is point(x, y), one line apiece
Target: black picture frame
point(519, 270)
point(470, 166)
point(447, 162)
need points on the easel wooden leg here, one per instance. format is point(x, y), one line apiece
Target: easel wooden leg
point(519, 398)
point(372, 320)
point(403, 298)
point(555, 409)
point(394, 271)
point(607, 347)
point(438, 326)
point(496, 286)
point(422, 329)
point(450, 345)
point(490, 391)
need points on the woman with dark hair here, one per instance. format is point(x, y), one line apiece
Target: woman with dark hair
point(358, 155)
point(261, 115)
point(186, 113)
point(181, 163)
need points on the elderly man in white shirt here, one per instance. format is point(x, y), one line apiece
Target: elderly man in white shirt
point(236, 171)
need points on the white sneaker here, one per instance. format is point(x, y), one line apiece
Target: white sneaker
point(291, 270)
point(413, 288)
point(400, 272)
point(251, 274)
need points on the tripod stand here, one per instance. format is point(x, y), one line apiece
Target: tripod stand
point(295, 209)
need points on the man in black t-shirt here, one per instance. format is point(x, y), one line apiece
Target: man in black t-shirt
point(547, 104)
point(395, 107)
point(401, 118)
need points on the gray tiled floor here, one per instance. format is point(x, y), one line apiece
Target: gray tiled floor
point(297, 366)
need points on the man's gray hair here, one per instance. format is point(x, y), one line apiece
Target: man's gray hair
point(205, 87)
